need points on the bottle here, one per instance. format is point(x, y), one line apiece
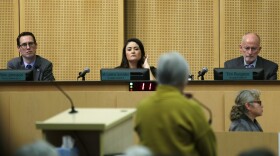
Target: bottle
point(67, 148)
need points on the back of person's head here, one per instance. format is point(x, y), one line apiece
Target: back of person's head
point(25, 34)
point(172, 69)
point(38, 148)
point(124, 62)
point(257, 152)
point(243, 97)
point(138, 150)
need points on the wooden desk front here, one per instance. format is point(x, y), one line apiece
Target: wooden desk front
point(24, 103)
point(233, 143)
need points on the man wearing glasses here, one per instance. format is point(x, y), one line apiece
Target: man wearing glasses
point(250, 49)
point(27, 45)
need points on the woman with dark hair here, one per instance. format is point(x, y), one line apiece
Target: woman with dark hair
point(243, 114)
point(133, 56)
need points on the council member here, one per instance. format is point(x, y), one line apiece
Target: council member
point(250, 48)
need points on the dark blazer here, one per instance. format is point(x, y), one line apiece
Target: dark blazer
point(245, 124)
point(42, 69)
point(270, 68)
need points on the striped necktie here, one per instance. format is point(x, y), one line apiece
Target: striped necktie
point(250, 66)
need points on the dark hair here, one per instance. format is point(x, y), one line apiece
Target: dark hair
point(124, 63)
point(25, 34)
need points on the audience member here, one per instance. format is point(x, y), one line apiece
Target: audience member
point(243, 114)
point(27, 45)
point(38, 148)
point(138, 150)
point(167, 122)
point(133, 56)
point(250, 48)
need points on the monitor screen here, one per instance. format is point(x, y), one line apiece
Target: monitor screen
point(16, 75)
point(238, 74)
point(124, 74)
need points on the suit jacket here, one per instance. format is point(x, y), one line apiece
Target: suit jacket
point(42, 69)
point(270, 68)
point(245, 124)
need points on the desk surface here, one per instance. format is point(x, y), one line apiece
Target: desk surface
point(87, 119)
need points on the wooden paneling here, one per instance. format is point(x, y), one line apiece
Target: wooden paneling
point(189, 27)
point(85, 33)
point(241, 16)
point(9, 29)
point(75, 34)
point(233, 143)
point(25, 103)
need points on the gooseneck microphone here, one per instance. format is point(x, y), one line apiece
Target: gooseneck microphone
point(201, 73)
point(83, 73)
point(68, 97)
point(189, 96)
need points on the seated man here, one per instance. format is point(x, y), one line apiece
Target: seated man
point(27, 45)
point(167, 122)
point(250, 48)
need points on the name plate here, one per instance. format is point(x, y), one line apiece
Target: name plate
point(237, 74)
point(9, 75)
point(115, 75)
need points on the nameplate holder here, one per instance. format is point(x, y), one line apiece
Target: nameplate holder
point(9, 75)
point(111, 75)
point(237, 74)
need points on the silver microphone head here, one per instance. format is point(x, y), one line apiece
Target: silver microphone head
point(205, 69)
point(87, 69)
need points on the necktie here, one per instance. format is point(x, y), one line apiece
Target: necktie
point(28, 66)
point(250, 66)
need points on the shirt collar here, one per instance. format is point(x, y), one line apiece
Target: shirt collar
point(254, 63)
point(32, 64)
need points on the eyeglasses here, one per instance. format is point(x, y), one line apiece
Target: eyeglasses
point(258, 102)
point(253, 49)
point(30, 44)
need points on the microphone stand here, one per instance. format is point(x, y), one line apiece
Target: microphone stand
point(189, 96)
point(202, 76)
point(83, 77)
point(68, 97)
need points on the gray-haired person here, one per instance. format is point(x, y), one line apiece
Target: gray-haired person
point(167, 122)
point(37, 148)
point(243, 114)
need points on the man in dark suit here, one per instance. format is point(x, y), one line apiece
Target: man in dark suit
point(27, 45)
point(250, 48)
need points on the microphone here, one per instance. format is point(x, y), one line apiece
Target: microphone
point(68, 97)
point(189, 96)
point(83, 73)
point(202, 72)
